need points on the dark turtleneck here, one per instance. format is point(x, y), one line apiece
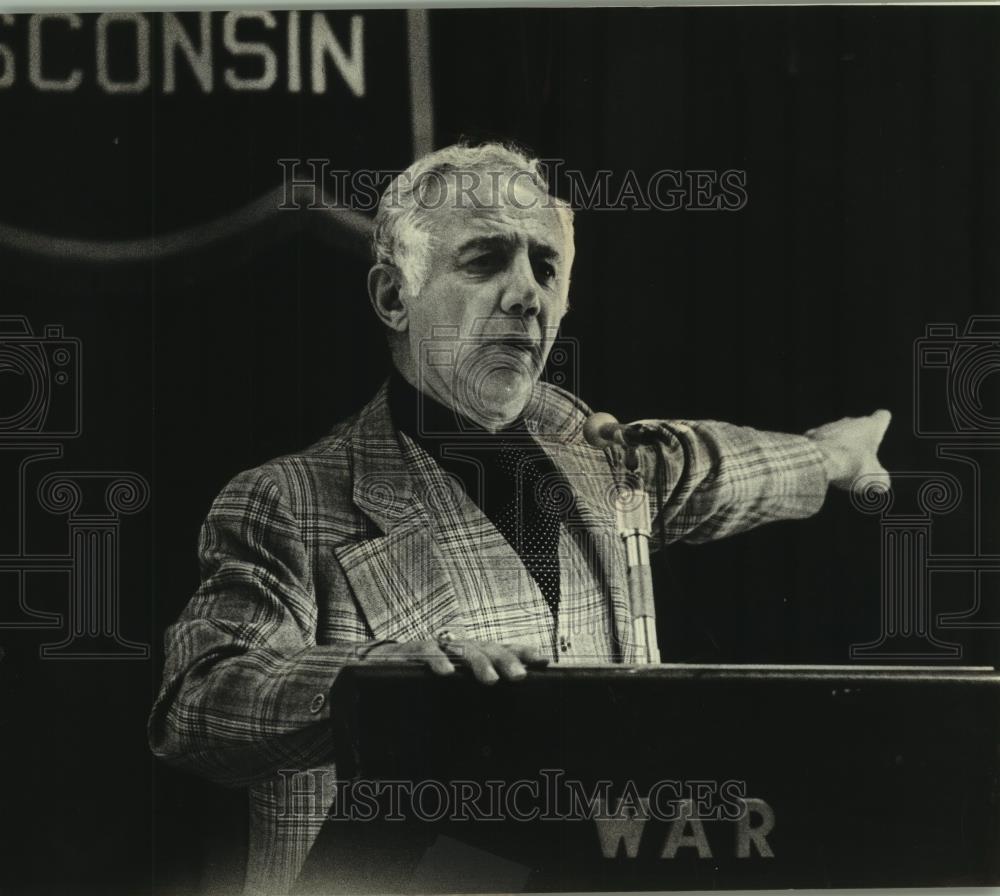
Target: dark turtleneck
point(513, 487)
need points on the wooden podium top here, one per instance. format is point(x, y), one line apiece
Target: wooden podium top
point(618, 672)
point(387, 716)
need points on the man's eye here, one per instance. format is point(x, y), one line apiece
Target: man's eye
point(485, 262)
point(545, 272)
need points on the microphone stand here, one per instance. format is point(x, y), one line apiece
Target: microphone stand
point(635, 528)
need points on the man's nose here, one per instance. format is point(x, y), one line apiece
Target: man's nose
point(522, 296)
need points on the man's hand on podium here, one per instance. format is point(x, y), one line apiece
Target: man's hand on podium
point(489, 662)
point(851, 449)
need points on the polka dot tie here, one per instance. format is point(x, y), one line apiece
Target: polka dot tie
point(529, 520)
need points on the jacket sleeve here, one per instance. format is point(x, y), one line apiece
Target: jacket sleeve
point(245, 685)
point(712, 479)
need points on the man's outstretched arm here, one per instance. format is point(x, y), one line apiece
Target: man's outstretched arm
point(711, 479)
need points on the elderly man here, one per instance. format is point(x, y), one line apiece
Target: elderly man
point(460, 518)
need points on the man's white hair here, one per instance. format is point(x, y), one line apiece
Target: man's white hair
point(403, 230)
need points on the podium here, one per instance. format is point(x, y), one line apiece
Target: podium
point(662, 777)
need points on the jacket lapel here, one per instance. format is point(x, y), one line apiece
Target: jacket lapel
point(399, 577)
point(590, 478)
point(405, 580)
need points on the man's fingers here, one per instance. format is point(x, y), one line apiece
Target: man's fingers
point(438, 662)
point(528, 654)
point(470, 654)
point(877, 477)
point(491, 662)
point(426, 652)
point(506, 662)
point(884, 479)
point(881, 419)
point(429, 653)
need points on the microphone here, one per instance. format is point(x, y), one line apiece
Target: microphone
point(632, 516)
point(601, 430)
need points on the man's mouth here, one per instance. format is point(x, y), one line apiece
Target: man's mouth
point(520, 344)
point(523, 343)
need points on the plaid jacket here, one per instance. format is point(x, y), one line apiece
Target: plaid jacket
point(360, 537)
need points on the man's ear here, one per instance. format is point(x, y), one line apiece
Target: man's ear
point(384, 289)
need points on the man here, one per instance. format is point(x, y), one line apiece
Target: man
point(460, 518)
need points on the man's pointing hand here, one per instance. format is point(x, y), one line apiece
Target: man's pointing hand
point(851, 449)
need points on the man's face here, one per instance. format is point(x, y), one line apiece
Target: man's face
point(481, 328)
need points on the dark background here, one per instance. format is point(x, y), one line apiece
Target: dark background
point(871, 140)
